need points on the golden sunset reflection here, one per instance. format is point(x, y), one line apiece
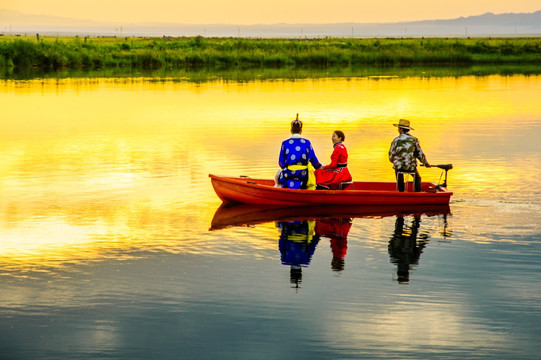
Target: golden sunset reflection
point(95, 167)
point(424, 321)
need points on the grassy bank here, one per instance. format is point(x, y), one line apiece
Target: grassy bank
point(50, 53)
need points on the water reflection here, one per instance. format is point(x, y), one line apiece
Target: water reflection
point(228, 215)
point(105, 206)
point(207, 74)
point(79, 137)
point(299, 238)
point(337, 231)
point(302, 229)
point(406, 246)
point(297, 244)
point(408, 242)
point(94, 167)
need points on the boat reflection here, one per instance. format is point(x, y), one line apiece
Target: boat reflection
point(301, 229)
point(228, 215)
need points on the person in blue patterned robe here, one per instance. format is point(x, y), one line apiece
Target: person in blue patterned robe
point(295, 154)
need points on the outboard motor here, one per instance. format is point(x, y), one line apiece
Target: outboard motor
point(445, 167)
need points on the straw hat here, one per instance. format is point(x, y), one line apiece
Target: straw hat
point(404, 124)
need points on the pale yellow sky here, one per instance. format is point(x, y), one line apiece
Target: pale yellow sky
point(259, 12)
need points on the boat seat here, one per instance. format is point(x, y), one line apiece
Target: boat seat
point(404, 176)
point(344, 184)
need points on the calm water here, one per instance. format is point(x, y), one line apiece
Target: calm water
point(106, 206)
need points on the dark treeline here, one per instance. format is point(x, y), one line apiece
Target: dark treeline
point(195, 52)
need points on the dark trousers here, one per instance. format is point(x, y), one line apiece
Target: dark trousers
point(400, 179)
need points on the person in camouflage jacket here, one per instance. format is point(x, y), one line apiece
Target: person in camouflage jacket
point(404, 152)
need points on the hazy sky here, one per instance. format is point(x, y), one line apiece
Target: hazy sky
point(259, 12)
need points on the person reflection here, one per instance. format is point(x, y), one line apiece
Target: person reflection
point(406, 246)
point(337, 231)
point(446, 231)
point(297, 244)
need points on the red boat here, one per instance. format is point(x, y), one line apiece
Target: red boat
point(262, 192)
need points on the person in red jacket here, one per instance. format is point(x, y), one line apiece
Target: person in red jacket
point(329, 176)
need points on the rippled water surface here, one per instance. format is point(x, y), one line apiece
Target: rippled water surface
point(114, 244)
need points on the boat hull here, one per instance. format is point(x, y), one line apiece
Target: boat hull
point(262, 192)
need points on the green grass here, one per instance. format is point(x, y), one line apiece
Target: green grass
point(50, 53)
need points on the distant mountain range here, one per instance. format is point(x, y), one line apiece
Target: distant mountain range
point(509, 24)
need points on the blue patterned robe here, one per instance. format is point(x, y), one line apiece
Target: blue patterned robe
point(296, 151)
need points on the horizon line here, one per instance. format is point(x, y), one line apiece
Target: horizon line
point(154, 23)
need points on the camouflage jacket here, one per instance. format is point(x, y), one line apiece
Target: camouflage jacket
point(404, 151)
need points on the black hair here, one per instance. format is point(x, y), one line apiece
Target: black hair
point(340, 134)
point(296, 127)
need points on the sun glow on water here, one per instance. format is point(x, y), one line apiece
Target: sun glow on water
point(94, 164)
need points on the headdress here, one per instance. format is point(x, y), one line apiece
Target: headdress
point(297, 121)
